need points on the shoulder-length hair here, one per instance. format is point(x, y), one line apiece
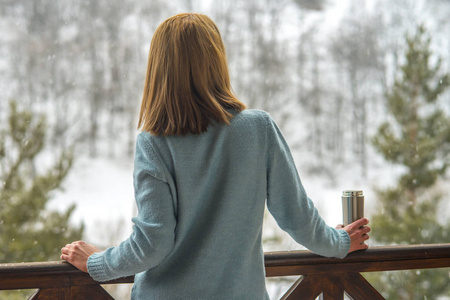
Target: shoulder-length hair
point(187, 85)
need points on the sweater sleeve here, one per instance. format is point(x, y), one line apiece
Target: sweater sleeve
point(292, 209)
point(153, 233)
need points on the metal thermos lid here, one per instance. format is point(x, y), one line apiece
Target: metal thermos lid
point(350, 193)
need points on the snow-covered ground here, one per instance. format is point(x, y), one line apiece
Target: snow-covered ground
point(102, 190)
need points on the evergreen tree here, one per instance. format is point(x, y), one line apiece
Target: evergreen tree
point(416, 137)
point(28, 231)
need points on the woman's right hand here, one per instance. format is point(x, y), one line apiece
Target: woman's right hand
point(358, 232)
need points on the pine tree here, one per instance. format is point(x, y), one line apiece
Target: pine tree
point(416, 137)
point(29, 231)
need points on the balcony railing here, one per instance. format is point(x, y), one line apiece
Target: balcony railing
point(329, 278)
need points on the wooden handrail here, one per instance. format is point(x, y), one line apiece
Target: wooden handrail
point(62, 279)
point(375, 259)
point(53, 274)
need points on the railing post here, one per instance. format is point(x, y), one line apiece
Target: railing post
point(332, 287)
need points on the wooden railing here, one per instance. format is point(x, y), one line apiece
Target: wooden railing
point(320, 276)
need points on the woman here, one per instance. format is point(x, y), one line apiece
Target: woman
point(204, 167)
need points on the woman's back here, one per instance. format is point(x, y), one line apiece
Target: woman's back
point(217, 180)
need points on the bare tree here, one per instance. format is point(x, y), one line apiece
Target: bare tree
point(355, 50)
point(266, 79)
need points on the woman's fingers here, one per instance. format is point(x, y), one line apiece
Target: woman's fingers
point(77, 253)
point(360, 222)
point(358, 232)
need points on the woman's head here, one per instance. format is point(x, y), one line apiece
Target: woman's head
point(187, 84)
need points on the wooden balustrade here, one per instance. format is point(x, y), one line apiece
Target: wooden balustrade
point(331, 277)
point(327, 277)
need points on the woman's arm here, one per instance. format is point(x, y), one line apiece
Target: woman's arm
point(294, 211)
point(153, 235)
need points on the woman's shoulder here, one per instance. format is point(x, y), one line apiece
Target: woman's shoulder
point(148, 141)
point(254, 115)
point(144, 137)
point(255, 112)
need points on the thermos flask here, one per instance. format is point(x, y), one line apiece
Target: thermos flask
point(352, 206)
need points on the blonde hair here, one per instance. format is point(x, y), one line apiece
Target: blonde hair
point(187, 85)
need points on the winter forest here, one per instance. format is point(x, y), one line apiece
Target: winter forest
point(360, 89)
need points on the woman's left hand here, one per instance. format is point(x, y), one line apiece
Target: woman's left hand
point(78, 253)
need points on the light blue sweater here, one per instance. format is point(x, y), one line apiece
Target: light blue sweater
point(201, 202)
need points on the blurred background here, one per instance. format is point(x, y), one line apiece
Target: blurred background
point(360, 90)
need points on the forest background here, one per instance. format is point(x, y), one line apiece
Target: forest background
point(323, 69)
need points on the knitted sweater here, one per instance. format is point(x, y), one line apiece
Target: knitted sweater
point(201, 201)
